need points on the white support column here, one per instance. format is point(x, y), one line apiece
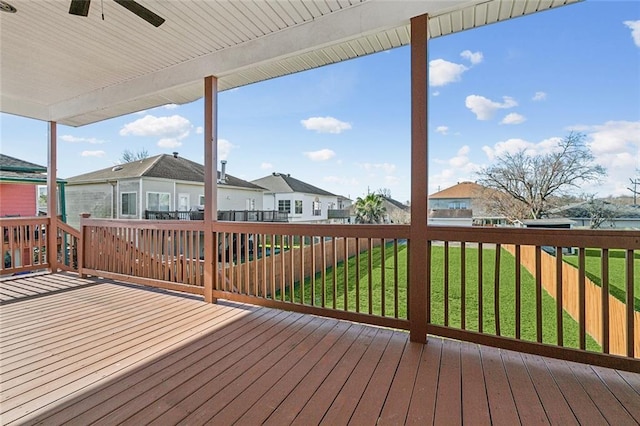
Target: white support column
point(52, 198)
point(210, 183)
point(419, 273)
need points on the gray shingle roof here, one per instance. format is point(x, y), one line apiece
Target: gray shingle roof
point(16, 170)
point(162, 166)
point(15, 164)
point(283, 183)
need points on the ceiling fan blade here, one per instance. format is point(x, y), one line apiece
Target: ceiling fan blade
point(142, 12)
point(79, 7)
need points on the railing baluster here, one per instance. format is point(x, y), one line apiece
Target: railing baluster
point(357, 274)
point(334, 272)
point(272, 257)
point(283, 275)
point(370, 275)
point(559, 298)
point(463, 286)
point(302, 271)
point(345, 264)
point(396, 267)
point(604, 276)
point(383, 273)
point(446, 283)
point(480, 298)
point(538, 254)
point(313, 270)
point(292, 278)
point(581, 298)
point(630, 304)
point(323, 272)
point(496, 290)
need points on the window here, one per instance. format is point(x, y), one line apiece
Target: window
point(284, 206)
point(201, 200)
point(317, 208)
point(158, 201)
point(298, 206)
point(457, 205)
point(128, 204)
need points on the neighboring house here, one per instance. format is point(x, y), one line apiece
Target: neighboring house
point(302, 201)
point(461, 205)
point(397, 212)
point(19, 192)
point(161, 183)
point(606, 214)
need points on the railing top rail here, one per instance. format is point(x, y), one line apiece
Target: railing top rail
point(177, 225)
point(541, 237)
point(14, 221)
point(329, 230)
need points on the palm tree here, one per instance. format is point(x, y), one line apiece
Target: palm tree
point(370, 209)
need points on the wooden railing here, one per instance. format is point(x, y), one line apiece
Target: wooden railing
point(24, 245)
point(165, 254)
point(514, 288)
point(68, 244)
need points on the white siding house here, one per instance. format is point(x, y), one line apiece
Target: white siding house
point(303, 202)
point(162, 183)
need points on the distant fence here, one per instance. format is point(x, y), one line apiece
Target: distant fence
point(593, 300)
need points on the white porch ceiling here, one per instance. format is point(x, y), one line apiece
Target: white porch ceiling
point(76, 70)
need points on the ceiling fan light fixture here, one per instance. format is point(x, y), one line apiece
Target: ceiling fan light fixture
point(6, 7)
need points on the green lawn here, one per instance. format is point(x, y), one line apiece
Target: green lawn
point(506, 295)
point(617, 274)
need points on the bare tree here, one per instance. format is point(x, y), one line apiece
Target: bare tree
point(635, 183)
point(529, 181)
point(600, 211)
point(128, 156)
point(385, 192)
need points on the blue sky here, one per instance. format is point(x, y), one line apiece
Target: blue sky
point(345, 128)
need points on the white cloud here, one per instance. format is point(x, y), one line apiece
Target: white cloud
point(75, 139)
point(321, 155)
point(539, 96)
point(484, 108)
point(391, 180)
point(170, 130)
point(436, 93)
point(388, 168)
point(514, 145)
point(149, 125)
point(199, 130)
point(443, 72)
point(266, 166)
point(457, 169)
point(224, 149)
point(635, 31)
point(513, 118)
point(170, 106)
point(93, 153)
point(443, 130)
point(473, 57)
point(325, 124)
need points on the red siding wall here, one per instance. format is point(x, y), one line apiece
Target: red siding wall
point(17, 199)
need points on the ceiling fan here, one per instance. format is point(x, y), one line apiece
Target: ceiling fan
point(81, 8)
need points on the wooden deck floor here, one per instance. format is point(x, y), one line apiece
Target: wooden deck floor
point(82, 351)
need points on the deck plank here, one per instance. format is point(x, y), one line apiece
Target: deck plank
point(581, 404)
point(97, 351)
point(281, 404)
point(475, 406)
point(528, 405)
point(501, 402)
point(448, 397)
point(396, 406)
point(422, 407)
point(315, 407)
point(622, 391)
point(609, 406)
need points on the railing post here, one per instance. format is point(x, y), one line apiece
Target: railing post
point(81, 244)
point(418, 271)
point(52, 199)
point(210, 182)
